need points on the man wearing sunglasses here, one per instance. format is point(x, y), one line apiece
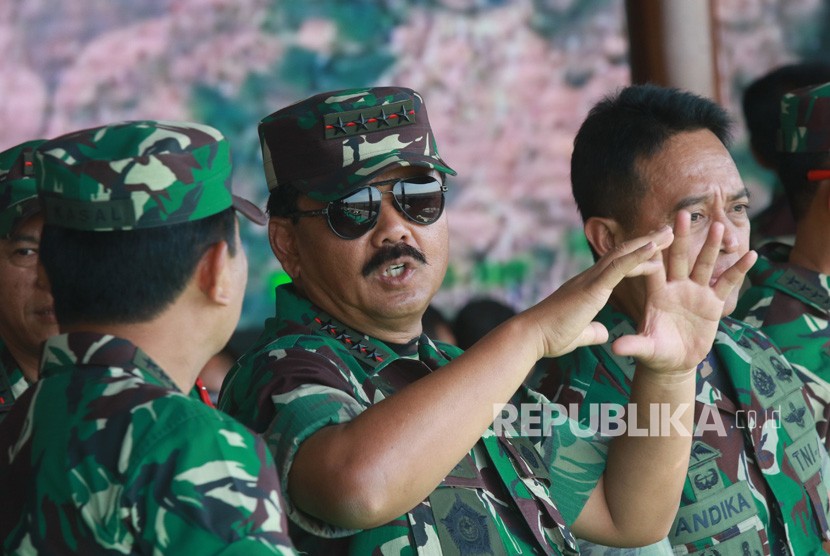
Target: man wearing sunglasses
point(382, 436)
point(789, 298)
point(27, 317)
point(756, 482)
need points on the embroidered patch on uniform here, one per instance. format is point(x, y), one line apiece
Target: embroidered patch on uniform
point(705, 479)
point(747, 543)
point(783, 373)
point(804, 456)
point(795, 415)
point(713, 514)
point(763, 383)
point(766, 384)
point(462, 522)
point(369, 119)
point(627, 364)
point(701, 453)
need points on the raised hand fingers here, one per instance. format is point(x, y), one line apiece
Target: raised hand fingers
point(635, 257)
point(733, 276)
point(677, 263)
point(708, 256)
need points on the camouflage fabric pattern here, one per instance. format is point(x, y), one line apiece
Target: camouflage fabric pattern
point(332, 143)
point(755, 454)
point(805, 120)
point(129, 175)
point(308, 371)
point(12, 381)
point(107, 456)
point(18, 192)
point(791, 304)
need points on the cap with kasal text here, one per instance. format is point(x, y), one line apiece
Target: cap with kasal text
point(137, 174)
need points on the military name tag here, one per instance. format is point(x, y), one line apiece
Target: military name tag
point(714, 514)
point(804, 456)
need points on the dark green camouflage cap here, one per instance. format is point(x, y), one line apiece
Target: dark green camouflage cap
point(332, 143)
point(18, 192)
point(137, 174)
point(805, 120)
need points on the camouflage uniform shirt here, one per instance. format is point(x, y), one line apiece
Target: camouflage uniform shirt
point(791, 304)
point(12, 381)
point(105, 455)
point(757, 480)
point(308, 371)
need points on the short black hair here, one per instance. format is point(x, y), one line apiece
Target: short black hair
point(478, 317)
point(792, 171)
point(282, 201)
point(625, 128)
point(761, 104)
point(126, 277)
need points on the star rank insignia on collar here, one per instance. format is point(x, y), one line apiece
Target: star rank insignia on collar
point(363, 348)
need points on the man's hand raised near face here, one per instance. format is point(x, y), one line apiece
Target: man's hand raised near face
point(683, 305)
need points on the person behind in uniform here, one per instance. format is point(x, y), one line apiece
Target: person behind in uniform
point(105, 453)
point(789, 296)
point(382, 436)
point(26, 314)
point(644, 157)
point(761, 104)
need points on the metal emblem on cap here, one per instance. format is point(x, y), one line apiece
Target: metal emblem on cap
point(367, 120)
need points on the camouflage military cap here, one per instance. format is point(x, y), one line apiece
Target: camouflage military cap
point(138, 174)
point(805, 120)
point(18, 192)
point(332, 143)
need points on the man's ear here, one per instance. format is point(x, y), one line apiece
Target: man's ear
point(604, 234)
point(282, 236)
point(214, 274)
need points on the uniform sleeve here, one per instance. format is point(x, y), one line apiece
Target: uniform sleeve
point(576, 452)
point(577, 461)
point(575, 456)
point(299, 391)
point(202, 484)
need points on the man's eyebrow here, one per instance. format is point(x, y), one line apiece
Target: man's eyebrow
point(740, 195)
point(23, 237)
point(691, 201)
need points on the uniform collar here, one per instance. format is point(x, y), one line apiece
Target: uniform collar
point(90, 349)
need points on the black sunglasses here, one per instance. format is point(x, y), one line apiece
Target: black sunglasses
point(419, 198)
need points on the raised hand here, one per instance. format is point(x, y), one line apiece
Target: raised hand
point(683, 305)
point(565, 318)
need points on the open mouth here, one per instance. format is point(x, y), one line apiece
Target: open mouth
point(394, 270)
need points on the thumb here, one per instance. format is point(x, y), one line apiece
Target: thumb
point(633, 345)
point(593, 333)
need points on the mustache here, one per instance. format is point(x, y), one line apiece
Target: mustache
point(390, 253)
